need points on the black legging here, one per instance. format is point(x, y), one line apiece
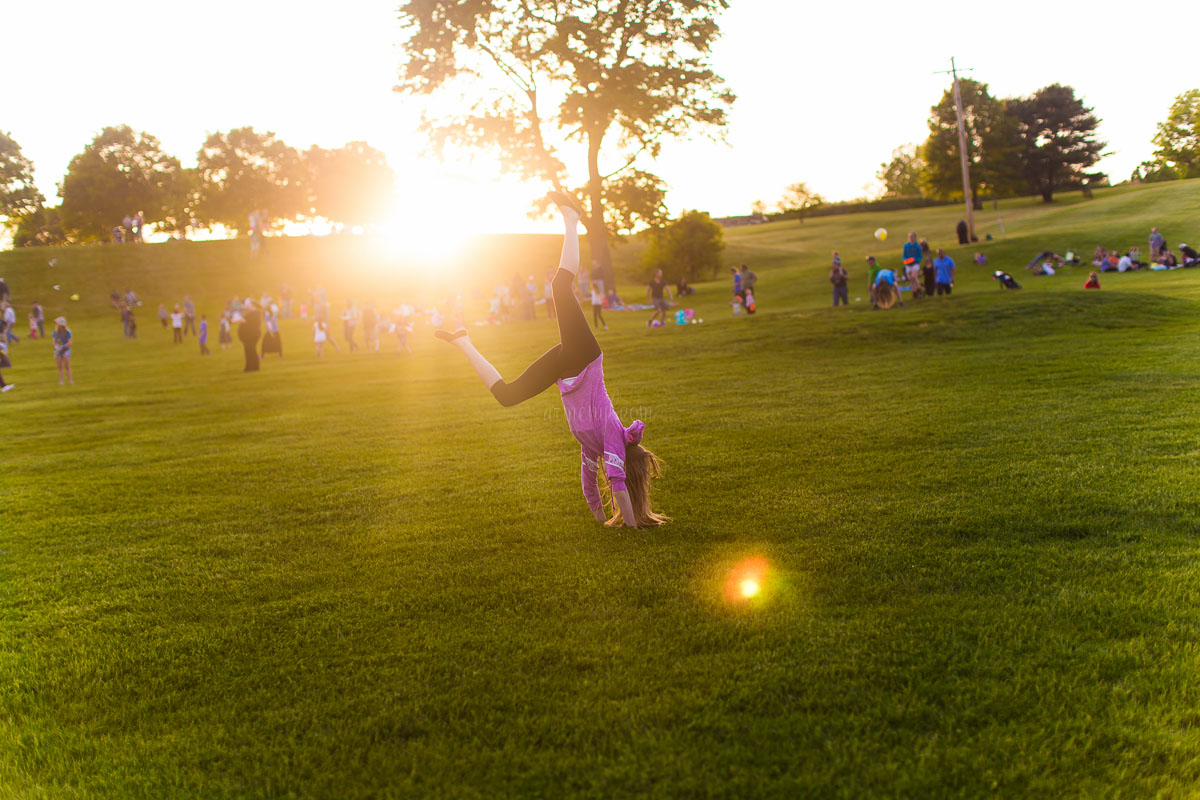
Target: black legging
point(597, 317)
point(577, 348)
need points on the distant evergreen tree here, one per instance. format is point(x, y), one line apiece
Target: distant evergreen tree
point(1058, 140)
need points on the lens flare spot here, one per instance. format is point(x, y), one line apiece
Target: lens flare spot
point(748, 581)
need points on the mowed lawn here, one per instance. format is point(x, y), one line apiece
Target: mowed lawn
point(361, 577)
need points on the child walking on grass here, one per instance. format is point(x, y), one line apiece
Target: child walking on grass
point(62, 350)
point(610, 452)
point(203, 335)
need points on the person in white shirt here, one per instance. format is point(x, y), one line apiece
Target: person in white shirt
point(177, 324)
point(10, 324)
point(598, 306)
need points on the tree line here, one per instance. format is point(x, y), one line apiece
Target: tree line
point(1040, 144)
point(238, 172)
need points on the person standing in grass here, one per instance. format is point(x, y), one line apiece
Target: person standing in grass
point(944, 266)
point(5, 361)
point(911, 254)
point(249, 332)
point(39, 317)
point(1156, 244)
point(10, 324)
point(203, 335)
point(162, 315)
point(839, 278)
point(575, 365)
point(598, 306)
point(654, 293)
point(320, 334)
point(271, 343)
point(749, 289)
point(62, 350)
point(349, 321)
point(225, 335)
point(189, 315)
point(737, 286)
point(177, 324)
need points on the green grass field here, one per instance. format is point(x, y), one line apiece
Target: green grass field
point(361, 577)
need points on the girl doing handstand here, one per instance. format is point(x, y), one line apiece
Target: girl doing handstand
point(608, 450)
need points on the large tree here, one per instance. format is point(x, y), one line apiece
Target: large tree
point(352, 184)
point(244, 171)
point(120, 173)
point(901, 177)
point(1058, 140)
point(1177, 141)
point(689, 247)
point(18, 195)
point(993, 146)
point(610, 79)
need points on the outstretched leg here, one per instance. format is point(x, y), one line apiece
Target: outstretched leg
point(578, 347)
point(537, 377)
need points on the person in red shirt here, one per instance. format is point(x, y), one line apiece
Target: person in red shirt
point(1093, 281)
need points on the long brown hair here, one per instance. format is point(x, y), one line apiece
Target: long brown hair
point(641, 467)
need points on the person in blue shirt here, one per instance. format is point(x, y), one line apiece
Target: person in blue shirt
point(882, 277)
point(944, 266)
point(912, 251)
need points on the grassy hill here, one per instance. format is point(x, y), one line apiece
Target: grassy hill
point(974, 521)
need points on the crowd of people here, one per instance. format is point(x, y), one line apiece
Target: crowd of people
point(1161, 256)
point(923, 271)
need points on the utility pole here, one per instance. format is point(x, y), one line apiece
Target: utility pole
point(962, 152)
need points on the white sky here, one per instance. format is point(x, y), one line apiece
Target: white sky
point(826, 91)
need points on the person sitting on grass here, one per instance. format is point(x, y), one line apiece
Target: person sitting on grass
point(682, 289)
point(612, 300)
point(1093, 281)
point(1167, 259)
point(1100, 258)
point(1190, 257)
point(1126, 264)
point(609, 451)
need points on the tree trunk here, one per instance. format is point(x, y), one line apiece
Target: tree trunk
point(1047, 195)
point(602, 268)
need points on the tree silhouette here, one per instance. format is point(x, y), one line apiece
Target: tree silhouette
point(608, 80)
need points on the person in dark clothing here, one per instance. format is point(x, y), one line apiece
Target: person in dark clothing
point(928, 273)
point(964, 234)
point(249, 332)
